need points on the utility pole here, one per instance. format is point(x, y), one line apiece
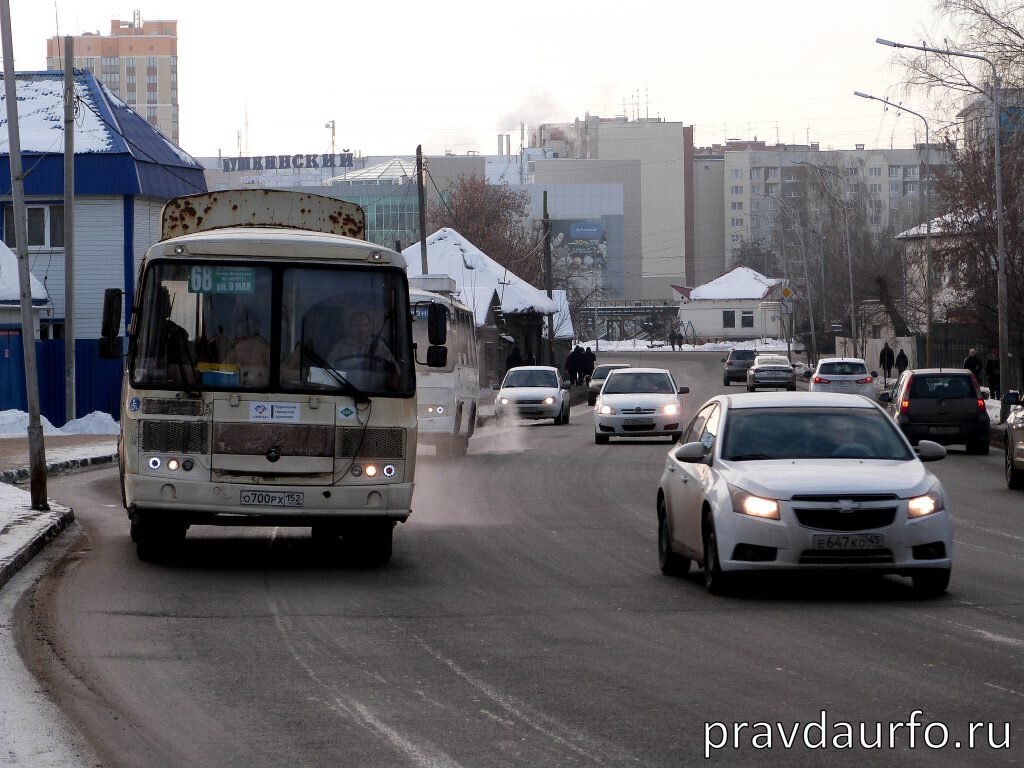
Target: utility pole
point(548, 280)
point(422, 209)
point(36, 450)
point(69, 228)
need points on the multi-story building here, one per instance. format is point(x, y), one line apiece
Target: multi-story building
point(766, 191)
point(138, 61)
point(653, 160)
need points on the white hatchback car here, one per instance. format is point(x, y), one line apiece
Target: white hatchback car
point(842, 374)
point(802, 481)
point(638, 402)
point(533, 392)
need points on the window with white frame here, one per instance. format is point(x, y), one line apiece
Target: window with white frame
point(735, 173)
point(736, 189)
point(910, 172)
point(895, 171)
point(875, 189)
point(736, 206)
point(773, 173)
point(728, 318)
point(747, 318)
point(755, 173)
point(45, 226)
point(736, 222)
point(910, 187)
point(894, 187)
point(875, 170)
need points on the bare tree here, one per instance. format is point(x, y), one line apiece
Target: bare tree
point(494, 217)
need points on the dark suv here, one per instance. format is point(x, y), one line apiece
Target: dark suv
point(736, 365)
point(942, 405)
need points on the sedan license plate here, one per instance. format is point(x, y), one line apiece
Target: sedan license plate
point(848, 541)
point(943, 430)
point(271, 498)
point(638, 422)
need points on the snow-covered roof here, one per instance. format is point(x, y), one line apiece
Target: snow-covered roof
point(116, 150)
point(949, 224)
point(738, 283)
point(10, 285)
point(477, 275)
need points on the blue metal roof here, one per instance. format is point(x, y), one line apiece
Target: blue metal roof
point(117, 152)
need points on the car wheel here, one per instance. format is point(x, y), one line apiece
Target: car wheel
point(600, 439)
point(670, 563)
point(725, 382)
point(931, 582)
point(750, 387)
point(1014, 476)
point(591, 399)
point(978, 447)
point(716, 581)
point(565, 416)
point(558, 418)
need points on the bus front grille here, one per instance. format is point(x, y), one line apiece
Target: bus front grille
point(175, 436)
point(158, 406)
point(370, 442)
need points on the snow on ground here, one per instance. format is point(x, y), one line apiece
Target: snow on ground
point(15, 424)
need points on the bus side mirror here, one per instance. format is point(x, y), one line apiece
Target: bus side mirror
point(110, 343)
point(437, 356)
point(437, 326)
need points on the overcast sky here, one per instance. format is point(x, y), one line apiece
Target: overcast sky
point(452, 75)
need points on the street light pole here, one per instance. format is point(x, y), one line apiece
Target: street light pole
point(849, 253)
point(1002, 297)
point(929, 284)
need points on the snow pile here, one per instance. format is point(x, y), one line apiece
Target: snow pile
point(15, 424)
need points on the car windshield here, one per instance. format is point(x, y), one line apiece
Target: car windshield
point(811, 433)
point(843, 369)
point(531, 379)
point(626, 383)
point(742, 354)
point(602, 371)
point(772, 361)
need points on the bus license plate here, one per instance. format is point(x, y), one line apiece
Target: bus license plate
point(271, 498)
point(849, 541)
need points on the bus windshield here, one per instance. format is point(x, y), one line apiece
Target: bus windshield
point(274, 327)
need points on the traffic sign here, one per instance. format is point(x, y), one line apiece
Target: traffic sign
point(787, 306)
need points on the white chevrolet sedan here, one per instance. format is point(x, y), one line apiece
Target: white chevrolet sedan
point(802, 481)
point(638, 402)
point(532, 392)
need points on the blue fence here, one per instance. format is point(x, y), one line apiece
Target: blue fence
point(97, 382)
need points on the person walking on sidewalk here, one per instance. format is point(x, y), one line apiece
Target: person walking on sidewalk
point(992, 374)
point(973, 364)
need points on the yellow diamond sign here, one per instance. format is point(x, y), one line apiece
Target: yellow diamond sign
point(787, 292)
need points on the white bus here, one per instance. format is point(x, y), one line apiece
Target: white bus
point(448, 397)
point(270, 376)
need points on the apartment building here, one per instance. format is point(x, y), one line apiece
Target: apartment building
point(137, 61)
point(767, 191)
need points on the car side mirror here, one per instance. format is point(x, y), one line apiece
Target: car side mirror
point(874, 374)
point(690, 453)
point(723, 359)
point(930, 451)
point(808, 374)
point(684, 391)
point(885, 397)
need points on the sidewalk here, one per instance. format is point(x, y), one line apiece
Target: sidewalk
point(23, 530)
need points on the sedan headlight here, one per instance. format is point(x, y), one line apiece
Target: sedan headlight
point(503, 400)
point(929, 504)
point(756, 506)
point(549, 401)
point(607, 410)
point(670, 409)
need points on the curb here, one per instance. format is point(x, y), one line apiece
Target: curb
point(57, 467)
point(58, 520)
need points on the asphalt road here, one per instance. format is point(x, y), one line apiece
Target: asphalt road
point(523, 622)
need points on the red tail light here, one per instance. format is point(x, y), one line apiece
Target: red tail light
point(981, 404)
point(821, 380)
point(867, 380)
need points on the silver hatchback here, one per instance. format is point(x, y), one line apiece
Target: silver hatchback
point(843, 374)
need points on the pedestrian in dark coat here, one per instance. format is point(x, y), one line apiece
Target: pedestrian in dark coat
point(973, 364)
point(513, 359)
point(901, 362)
point(992, 374)
point(886, 359)
point(589, 361)
point(573, 364)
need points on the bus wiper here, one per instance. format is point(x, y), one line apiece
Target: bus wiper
point(347, 386)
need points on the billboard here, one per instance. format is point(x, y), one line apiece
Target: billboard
point(579, 243)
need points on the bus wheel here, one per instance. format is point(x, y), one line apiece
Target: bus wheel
point(458, 445)
point(369, 543)
point(156, 540)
